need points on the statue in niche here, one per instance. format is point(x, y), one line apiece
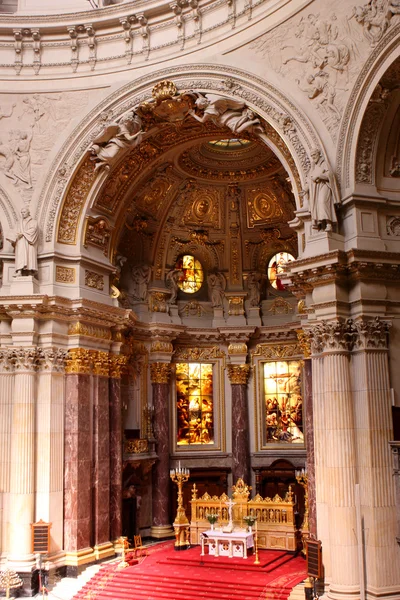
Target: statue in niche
point(254, 281)
point(140, 277)
point(321, 193)
point(225, 112)
point(171, 281)
point(115, 138)
point(217, 284)
point(25, 244)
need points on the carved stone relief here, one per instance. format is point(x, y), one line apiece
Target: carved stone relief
point(202, 206)
point(98, 233)
point(94, 280)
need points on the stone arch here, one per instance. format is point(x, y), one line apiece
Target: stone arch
point(290, 135)
point(360, 113)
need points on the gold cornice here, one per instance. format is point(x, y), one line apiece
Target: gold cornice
point(160, 372)
point(238, 374)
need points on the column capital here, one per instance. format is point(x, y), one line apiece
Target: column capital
point(26, 359)
point(238, 374)
point(100, 361)
point(160, 372)
point(78, 361)
point(331, 336)
point(52, 359)
point(117, 364)
point(304, 342)
point(372, 334)
point(6, 361)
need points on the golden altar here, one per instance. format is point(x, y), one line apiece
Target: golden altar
point(276, 527)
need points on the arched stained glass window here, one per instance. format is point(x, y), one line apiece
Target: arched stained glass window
point(194, 403)
point(283, 402)
point(192, 274)
point(276, 266)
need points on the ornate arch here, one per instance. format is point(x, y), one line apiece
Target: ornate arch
point(68, 187)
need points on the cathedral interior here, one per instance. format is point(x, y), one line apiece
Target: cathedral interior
point(199, 211)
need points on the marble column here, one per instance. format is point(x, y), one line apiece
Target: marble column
point(160, 376)
point(22, 467)
point(117, 363)
point(50, 445)
point(6, 396)
point(78, 460)
point(335, 456)
point(101, 457)
point(238, 376)
point(309, 441)
point(373, 429)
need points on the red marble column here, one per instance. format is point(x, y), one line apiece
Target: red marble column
point(77, 457)
point(238, 375)
point(160, 374)
point(116, 365)
point(101, 457)
point(309, 441)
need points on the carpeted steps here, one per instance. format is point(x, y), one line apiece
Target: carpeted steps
point(223, 563)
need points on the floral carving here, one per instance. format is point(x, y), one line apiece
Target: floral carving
point(94, 280)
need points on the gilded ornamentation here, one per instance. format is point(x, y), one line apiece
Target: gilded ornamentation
point(238, 374)
point(117, 365)
point(94, 280)
point(140, 446)
point(264, 204)
point(280, 306)
point(237, 348)
point(198, 354)
point(154, 193)
point(304, 343)
point(241, 491)
point(74, 202)
point(192, 309)
point(158, 302)
point(80, 328)
point(65, 274)
point(100, 363)
point(161, 346)
point(98, 233)
point(78, 361)
point(273, 352)
point(202, 206)
point(236, 305)
point(160, 372)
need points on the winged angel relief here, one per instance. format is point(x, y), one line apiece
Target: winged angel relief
point(132, 129)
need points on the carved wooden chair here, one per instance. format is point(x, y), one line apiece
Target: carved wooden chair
point(138, 547)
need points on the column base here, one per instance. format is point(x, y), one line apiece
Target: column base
point(105, 550)
point(161, 532)
point(78, 558)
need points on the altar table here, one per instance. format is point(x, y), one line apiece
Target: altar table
point(227, 544)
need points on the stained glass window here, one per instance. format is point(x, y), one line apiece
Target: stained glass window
point(194, 402)
point(192, 276)
point(283, 402)
point(276, 266)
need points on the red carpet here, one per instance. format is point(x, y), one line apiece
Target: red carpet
point(169, 575)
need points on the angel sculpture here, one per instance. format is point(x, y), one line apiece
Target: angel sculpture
point(171, 281)
point(115, 138)
point(217, 284)
point(225, 112)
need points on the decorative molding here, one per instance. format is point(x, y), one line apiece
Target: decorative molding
point(117, 364)
point(280, 306)
point(158, 302)
point(94, 280)
point(83, 329)
point(65, 274)
point(100, 363)
point(160, 372)
point(277, 351)
point(78, 361)
point(198, 354)
point(237, 348)
point(161, 346)
point(140, 446)
point(304, 343)
point(98, 233)
point(238, 374)
point(236, 305)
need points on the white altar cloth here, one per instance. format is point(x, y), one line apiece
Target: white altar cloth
point(233, 544)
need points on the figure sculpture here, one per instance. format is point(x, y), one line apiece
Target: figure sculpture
point(217, 284)
point(171, 281)
point(225, 112)
point(254, 281)
point(321, 192)
point(140, 277)
point(25, 244)
point(115, 138)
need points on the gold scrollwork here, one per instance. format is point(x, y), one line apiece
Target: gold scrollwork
point(65, 274)
point(117, 363)
point(100, 363)
point(280, 306)
point(161, 346)
point(304, 343)
point(238, 374)
point(198, 354)
point(78, 361)
point(280, 351)
point(140, 446)
point(94, 280)
point(160, 372)
point(79, 328)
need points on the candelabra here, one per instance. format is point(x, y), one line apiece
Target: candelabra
point(123, 540)
point(181, 523)
point(302, 479)
point(257, 561)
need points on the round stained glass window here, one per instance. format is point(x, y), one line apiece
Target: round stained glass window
point(276, 267)
point(192, 276)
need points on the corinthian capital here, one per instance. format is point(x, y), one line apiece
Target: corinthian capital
point(238, 374)
point(78, 361)
point(26, 359)
point(372, 334)
point(332, 336)
point(52, 359)
point(160, 372)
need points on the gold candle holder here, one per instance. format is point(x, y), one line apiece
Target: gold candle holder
point(123, 542)
point(181, 523)
point(302, 479)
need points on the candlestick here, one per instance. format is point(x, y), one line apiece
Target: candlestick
point(181, 523)
point(256, 562)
